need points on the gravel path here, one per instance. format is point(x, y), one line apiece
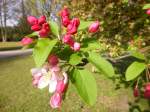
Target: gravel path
point(12, 53)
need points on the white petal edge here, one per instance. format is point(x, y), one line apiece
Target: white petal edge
point(43, 82)
point(35, 71)
point(52, 86)
point(65, 77)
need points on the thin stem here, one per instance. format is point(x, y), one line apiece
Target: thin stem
point(136, 86)
point(147, 75)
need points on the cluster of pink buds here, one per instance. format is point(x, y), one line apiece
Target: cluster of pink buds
point(51, 75)
point(39, 24)
point(71, 27)
point(148, 12)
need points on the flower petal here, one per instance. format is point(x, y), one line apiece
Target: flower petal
point(43, 82)
point(65, 77)
point(52, 85)
point(35, 71)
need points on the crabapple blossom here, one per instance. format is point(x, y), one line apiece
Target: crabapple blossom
point(32, 20)
point(94, 27)
point(26, 41)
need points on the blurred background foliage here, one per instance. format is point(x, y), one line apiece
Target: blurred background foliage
point(123, 22)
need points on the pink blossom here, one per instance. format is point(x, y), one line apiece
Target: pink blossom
point(62, 84)
point(42, 20)
point(67, 39)
point(147, 91)
point(46, 27)
point(35, 80)
point(43, 33)
point(32, 20)
point(148, 12)
point(43, 78)
point(76, 46)
point(53, 60)
point(73, 26)
point(64, 12)
point(94, 27)
point(65, 21)
point(26, 41)
point(36, 27)
point(55, 100)
point(45, 30)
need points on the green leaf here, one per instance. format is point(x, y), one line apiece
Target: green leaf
point(85, 84)
point(90, 44)
point(54, 28)
point(146, 6)
point(138, 55)
point(32, 34)
point(42, 50)
point(84, 24)
point(101, 64)
point(125, 1)
point(75, 59)
point(134, 70)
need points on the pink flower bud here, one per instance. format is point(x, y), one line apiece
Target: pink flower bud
point(43, 33)
point(42, 20)
point(136, 92)
point(46, 27)
point(65, 21)
point(76, 21)
point(76, 46)
point(32, 20)
point(53, 60)
point(73, 26)
point(94, 27)
point(147, 87)
point(55, 101)
point(148, 12)
point(68, 40)
point(26, 41)
point(60, 86)
point(147, 91)
point(36, 27)
point(71, 29)
point(64, 12)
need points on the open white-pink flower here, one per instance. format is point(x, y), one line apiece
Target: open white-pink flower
point(43, 78)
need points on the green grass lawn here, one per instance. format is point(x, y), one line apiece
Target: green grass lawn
point(18, 95)
point(9, 45)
